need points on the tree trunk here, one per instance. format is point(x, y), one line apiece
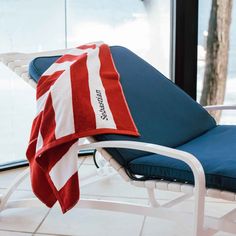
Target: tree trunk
point(217, 55)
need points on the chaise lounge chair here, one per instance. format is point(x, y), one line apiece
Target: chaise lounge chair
point(181, 148)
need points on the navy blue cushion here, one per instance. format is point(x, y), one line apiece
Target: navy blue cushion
point(216, 150)
point(163, 113)
point(39, 65)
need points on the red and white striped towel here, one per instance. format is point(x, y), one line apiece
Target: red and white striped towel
point(79, 95)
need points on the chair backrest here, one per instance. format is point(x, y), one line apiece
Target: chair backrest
point(162, 112)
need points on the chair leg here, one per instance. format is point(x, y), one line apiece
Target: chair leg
point(10, 190)
point(152, 199)
point(199, 211)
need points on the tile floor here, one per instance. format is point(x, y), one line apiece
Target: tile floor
point(86, 222)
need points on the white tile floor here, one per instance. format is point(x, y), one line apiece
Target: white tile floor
point(87, 222)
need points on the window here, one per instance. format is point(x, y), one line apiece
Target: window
point(29, 26)
point(24, 27)
point(142, 27)
point(230, 91)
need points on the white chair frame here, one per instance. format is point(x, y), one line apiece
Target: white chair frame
point(203, 225)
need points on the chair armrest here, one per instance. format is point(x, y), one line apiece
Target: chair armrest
point(220, 107)
point(18, 62)
point(188, 158)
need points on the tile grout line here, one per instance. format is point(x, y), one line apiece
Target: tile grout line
point(143, 224)
point(80, 164)
point(39, 225)
point(14, 231)
point(48, 234)
point(124, 197)
point(109, 196)
point(142, 228)
point(33, 233)
point(146, 198)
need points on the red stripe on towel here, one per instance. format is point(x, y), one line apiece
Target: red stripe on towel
point(81, 97)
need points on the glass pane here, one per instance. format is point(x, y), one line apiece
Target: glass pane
point(227, 117)
point(17, 110)
point(142, 27)
point(29, 26)
point(24, 27)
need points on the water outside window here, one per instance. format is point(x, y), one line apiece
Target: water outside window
point(29, 26)
point(227, 117)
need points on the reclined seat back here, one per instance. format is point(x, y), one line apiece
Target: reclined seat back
point(162, 112)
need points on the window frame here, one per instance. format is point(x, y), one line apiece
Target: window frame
point(185, 51)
